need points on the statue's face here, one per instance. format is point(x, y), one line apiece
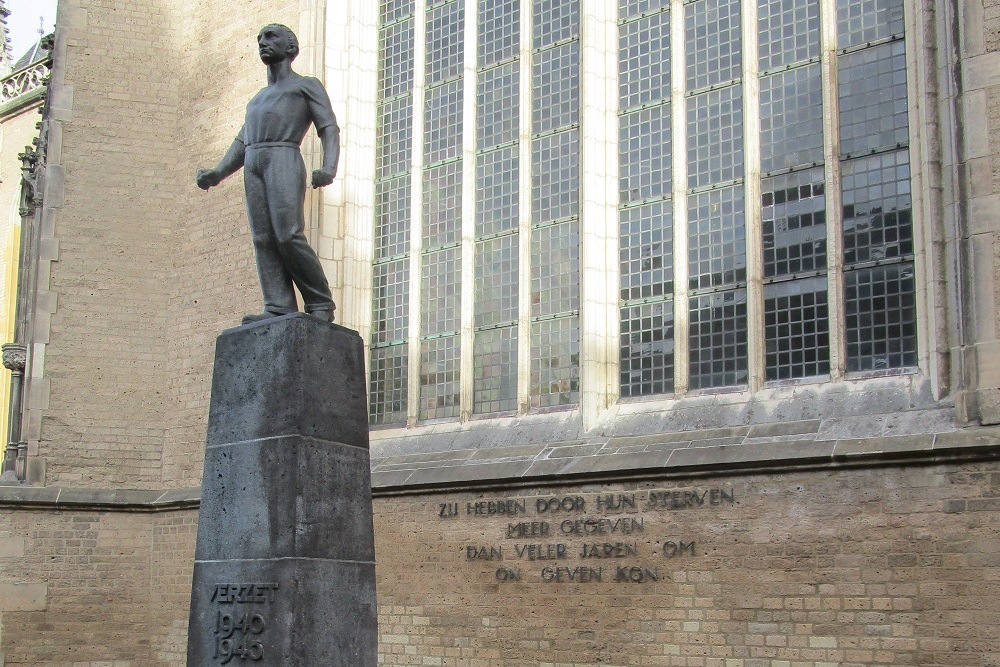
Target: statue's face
point(273, 45)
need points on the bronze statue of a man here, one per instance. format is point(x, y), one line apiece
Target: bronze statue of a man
point(267, 148)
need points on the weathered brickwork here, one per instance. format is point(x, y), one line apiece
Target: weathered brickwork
point(171, 565)
point(152, 269)
point(105, 357)
point(992, 24)
point(866, 567)
point(214, 275)
point(95, 568)
point(885, 566)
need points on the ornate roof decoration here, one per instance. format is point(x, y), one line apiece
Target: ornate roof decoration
point(26, 82)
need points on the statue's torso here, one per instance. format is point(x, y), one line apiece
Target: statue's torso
point(282, 111)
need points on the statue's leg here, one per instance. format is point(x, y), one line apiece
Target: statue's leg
point(275, 282)
point(286, 179)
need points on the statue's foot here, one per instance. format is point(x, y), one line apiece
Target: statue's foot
point(260, 317)
point(325, 314)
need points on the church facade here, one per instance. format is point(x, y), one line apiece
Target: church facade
point(681, 325)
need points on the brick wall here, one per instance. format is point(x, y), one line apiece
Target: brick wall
point(214, 278)
point(171, 565)
point(881, 566)
point(150, 269)
point(93, 570)
point(853, 567)
point(105, 359)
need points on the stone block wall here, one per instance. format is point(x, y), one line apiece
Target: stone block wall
point(976, 87)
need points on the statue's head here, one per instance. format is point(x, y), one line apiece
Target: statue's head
point(277, 42)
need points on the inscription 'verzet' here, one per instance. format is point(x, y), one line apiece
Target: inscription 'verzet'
point(239, 630)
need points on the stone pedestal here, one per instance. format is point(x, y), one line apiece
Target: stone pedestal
point(284, 570)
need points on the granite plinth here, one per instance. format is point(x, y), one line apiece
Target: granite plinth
point(284, 565)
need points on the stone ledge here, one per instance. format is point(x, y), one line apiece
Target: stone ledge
point(721, 451)
point(117, 500)
point(576, 462)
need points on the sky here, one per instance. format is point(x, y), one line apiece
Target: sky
point(23, 22)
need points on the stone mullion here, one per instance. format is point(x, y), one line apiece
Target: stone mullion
point(416, 209)
point(358, 144)
point(678, 116)
point(311, 61)
point(834, 197)
point(598, 215)
point(468, 286)
point(929, 280)
point(752, 198)
point(525, 207)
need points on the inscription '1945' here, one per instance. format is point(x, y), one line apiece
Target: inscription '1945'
point(238, 631)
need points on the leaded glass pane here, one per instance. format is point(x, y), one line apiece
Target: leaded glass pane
point(715, 137)
point(646, 251)
point(713, 42)
point(396, 59)
point(644, 155)
point(392, 217)
point(387, 385)
point(394, 136)
point(716, 239)
point(440, 365)
point(440, 293)
point(796, 329)
point(878, 220)
point(554, 21)
point(880, 305)
point(497, 178)
point(443, 122)
point(499, 30)
point(495, 360)
point(442, 224)
point(555, 178)
point(863, 21)
point(496, 280)
point(390, 301)
point(555, 362)
point(794, 221)
point(647, 349)
point(497, 102)
point(392, 10)
point(445, 41)
point(644, 60)
point(555, 269)
point(556, 87)
point(788, 32)
point(873, 103)
point(718, 339)
point(627, 8)
point(791, 119)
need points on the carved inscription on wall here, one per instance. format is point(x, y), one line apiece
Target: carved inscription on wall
point(240, 620)
point(583, 539)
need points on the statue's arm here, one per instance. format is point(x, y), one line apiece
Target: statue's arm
point(231, 162)
point(321, 113)
point(329, 136)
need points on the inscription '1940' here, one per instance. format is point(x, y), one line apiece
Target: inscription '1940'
point(238, 631)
